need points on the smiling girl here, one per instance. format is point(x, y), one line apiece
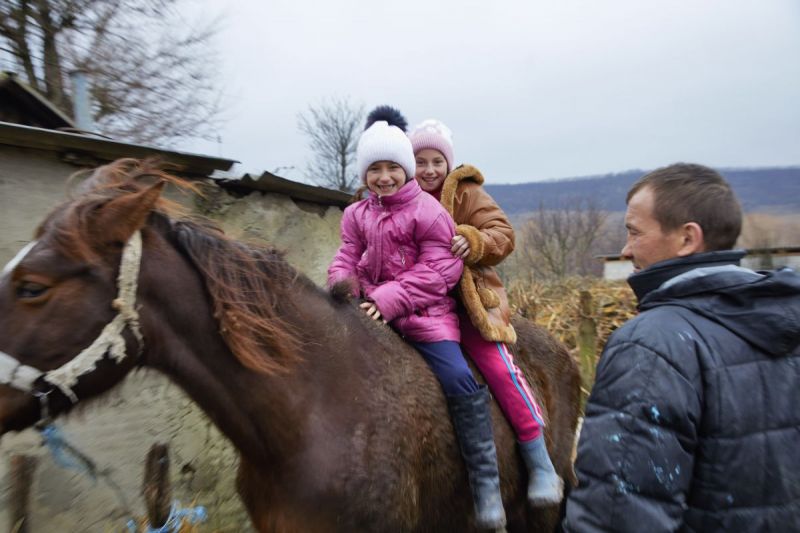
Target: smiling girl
point(395, 254)
point(484, 238)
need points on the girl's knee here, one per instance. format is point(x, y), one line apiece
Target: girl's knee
point(459, 384)
point(467, 383)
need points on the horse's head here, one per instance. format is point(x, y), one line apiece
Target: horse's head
point(68, 322)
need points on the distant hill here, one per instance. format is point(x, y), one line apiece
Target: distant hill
point(775, 190)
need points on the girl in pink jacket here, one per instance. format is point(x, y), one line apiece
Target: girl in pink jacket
point(395, 252)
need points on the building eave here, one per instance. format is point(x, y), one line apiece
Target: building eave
point(87, 149)
point(34, 102)
point(270, 183)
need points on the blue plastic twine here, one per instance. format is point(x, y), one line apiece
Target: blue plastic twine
point(176, 516)
point(66, 455)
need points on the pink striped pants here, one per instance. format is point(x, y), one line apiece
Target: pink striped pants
point(505, 380)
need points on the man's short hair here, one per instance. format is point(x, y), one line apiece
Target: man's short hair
point(684, 193)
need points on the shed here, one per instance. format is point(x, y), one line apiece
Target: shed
point(616, 267)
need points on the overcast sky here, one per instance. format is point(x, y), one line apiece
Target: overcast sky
point(532, 90)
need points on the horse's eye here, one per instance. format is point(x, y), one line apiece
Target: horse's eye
point(30, 289)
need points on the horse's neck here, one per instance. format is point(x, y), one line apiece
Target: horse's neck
point(265, 416)
point(247, 406)
point(241, 403)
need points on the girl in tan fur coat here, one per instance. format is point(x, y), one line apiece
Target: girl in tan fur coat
point(484, 238)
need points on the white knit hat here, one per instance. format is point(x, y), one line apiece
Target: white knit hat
point(382, 142)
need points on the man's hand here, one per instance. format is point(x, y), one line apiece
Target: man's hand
point(372, 311)
point(459, 246)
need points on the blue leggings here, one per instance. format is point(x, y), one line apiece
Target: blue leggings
point(447, 362)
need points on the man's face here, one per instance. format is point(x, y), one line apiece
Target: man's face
point(647, 243)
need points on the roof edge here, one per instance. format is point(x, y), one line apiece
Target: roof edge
point(270, 183)
point(105, 149)
point(13, 78)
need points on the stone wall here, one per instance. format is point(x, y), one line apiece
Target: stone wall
point(117, 430)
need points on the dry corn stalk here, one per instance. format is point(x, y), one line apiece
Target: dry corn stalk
point(556, 306)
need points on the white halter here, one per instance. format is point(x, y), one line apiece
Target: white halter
point(22, 377)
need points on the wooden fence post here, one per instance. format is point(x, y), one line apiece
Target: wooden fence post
point(21, 472)
point(156, 488)
point(587, 340)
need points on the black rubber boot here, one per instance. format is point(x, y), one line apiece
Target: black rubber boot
point(473, 424)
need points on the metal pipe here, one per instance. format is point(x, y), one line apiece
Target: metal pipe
point(80, 100)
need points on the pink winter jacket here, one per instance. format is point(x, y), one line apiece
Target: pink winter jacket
point(398, 250)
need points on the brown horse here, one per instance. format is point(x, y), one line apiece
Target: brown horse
point(340, 424)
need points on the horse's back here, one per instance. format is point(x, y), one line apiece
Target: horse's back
point(428, 454)
point(555, 379)
point(392, 459)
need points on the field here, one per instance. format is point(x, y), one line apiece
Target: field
point(580, 312)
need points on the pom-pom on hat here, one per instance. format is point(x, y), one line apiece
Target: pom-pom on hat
point(431, 133)
point(384, 139)
point(388, 114)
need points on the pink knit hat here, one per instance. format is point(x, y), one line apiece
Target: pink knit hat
point(431, 133)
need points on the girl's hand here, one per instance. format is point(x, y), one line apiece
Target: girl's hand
point(459, 246)
point(372, 310)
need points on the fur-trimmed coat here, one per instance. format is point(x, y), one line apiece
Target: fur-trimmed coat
point(491, 239)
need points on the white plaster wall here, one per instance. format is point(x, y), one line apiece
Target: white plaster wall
point(614, 270)
point(32, 182)
point(117, 430)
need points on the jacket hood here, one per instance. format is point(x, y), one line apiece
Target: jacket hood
point(463, 172)
point(763, 308)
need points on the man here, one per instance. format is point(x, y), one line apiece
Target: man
point(693, 423)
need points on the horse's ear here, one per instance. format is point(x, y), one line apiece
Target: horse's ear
point(122, 216)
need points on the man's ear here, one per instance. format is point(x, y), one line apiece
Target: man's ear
point(692, 240)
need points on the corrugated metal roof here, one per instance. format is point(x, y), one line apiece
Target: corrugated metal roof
point(269, 182)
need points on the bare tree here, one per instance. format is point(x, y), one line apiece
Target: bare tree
point(613, 236)
point(560, 242)
point(152, 75)
point(333, 128)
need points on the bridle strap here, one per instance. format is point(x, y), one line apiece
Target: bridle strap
point(14, 374)
point(110, 341)
point(11, 265)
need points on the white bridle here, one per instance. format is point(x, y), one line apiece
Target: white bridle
point(111, 342)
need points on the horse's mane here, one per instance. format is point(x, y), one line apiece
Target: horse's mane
point(247, 283)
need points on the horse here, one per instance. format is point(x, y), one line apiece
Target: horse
point(339, 423)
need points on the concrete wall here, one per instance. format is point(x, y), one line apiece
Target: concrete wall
point(117, 430)
point(32, 182)
point(616, 270)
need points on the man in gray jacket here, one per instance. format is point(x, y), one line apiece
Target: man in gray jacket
point(693, 423)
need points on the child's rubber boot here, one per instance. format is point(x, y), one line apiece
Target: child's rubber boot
point(473, 425)
point(545, 487)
